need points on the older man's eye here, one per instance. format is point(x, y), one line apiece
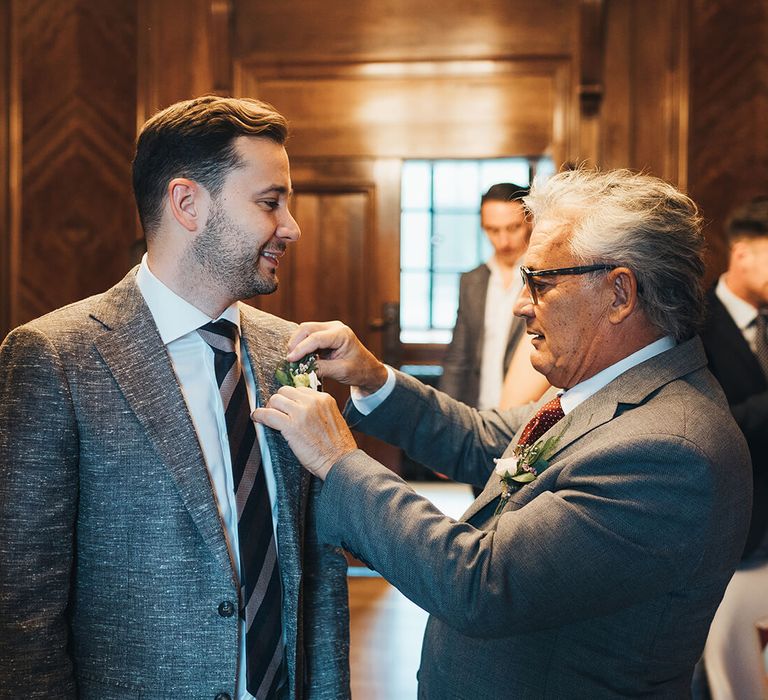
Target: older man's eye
point(270, 203)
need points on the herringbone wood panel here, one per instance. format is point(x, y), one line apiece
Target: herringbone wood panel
point(78, 116)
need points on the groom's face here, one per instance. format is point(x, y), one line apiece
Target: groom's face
point(249, 224)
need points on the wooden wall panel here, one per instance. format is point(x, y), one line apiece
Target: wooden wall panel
point(8, 169)
point(617, 103)
point(181, 51)
point(729, 111)
point(377, 251)
point(660, 87)
point(331, 273)
point(76, 105)
point(372, 30)
point(321, 276)
point(469, 109)
point(644, 112)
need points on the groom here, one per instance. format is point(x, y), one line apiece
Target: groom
point(594, 571)
point(152, 544)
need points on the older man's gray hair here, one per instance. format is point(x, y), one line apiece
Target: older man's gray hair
point(637, 221)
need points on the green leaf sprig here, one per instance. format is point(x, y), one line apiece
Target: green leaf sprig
point(297, 373)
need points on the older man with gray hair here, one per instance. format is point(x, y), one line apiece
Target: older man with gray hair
point(614, 511)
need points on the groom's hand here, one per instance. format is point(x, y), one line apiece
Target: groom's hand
point(311, 424)
point(341, 355)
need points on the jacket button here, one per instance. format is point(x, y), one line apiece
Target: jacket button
point(226, 609)
point(222, 696)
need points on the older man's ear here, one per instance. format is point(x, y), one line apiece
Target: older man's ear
point(624, 288)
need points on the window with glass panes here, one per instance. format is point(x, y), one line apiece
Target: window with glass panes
point(441, 237)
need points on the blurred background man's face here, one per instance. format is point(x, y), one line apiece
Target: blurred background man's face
point(753, 271)
point(507, 229)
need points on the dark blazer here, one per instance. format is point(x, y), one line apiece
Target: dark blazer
point(599, 579)
point(114, 559)
point(736, 368)
point(461, 366)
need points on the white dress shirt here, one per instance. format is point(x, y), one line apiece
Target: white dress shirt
point(192, 360)
point(583, 390)
point(499, 302)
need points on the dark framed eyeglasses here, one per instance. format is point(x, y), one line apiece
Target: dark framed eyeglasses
point(528, 275)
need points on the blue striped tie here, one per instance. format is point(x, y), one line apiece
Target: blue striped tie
point(260, 593)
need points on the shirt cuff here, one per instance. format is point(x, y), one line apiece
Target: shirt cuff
point(366, 404)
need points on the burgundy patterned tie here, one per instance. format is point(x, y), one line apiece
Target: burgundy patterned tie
point(260, 593)
point(542, 421)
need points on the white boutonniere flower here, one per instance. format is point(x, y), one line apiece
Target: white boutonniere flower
point(525, 464)
point(300, 373)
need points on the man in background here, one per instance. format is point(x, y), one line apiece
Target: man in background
point(152, 544)
point(734, 336)
point(487, 332)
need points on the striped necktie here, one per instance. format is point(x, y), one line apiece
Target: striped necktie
point(260, 593)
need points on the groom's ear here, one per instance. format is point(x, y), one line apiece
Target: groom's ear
point(188, 202)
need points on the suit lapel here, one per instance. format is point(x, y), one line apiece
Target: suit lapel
point(493, 486)
point(478, 297)
point(136, 356)
point(728, 345)
point(266, 348)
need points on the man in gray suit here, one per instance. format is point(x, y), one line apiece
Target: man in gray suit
point(152, 543)
point(487, 332)
point(610, 524)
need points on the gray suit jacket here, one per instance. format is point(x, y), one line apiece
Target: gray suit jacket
point(599, 579)
point(461, 365)
point(114, 559)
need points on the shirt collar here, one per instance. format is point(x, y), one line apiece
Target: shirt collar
point(175, 317)
point(583, 390)
point(742, 312)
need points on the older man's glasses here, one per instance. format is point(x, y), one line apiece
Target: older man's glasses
point(530, 275)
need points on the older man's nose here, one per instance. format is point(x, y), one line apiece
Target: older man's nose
point(523, 304)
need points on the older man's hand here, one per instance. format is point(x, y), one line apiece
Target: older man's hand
point(342, 356)
point(311, 424)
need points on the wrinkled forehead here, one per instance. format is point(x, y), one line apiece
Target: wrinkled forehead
point(549, 245)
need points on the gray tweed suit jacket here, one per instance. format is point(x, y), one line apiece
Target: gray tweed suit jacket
point(114, 559)
point(464, 355)
point(597, 580)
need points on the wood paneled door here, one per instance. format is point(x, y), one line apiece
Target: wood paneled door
point(330, 273)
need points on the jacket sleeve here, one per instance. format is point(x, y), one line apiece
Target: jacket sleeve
point(459, 358)
point(326, 614)
point(435, 430)
point(590, 548)
point(38, 502)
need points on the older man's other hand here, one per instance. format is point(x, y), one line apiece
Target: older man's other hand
point(311, 424)
point(341, 355)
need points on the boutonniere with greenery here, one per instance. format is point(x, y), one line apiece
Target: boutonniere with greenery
point(303, 372)
point(525, 464)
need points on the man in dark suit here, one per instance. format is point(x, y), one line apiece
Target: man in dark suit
point(487, 332)
point(611, 521)
point(734, 336)
point(153, 544)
